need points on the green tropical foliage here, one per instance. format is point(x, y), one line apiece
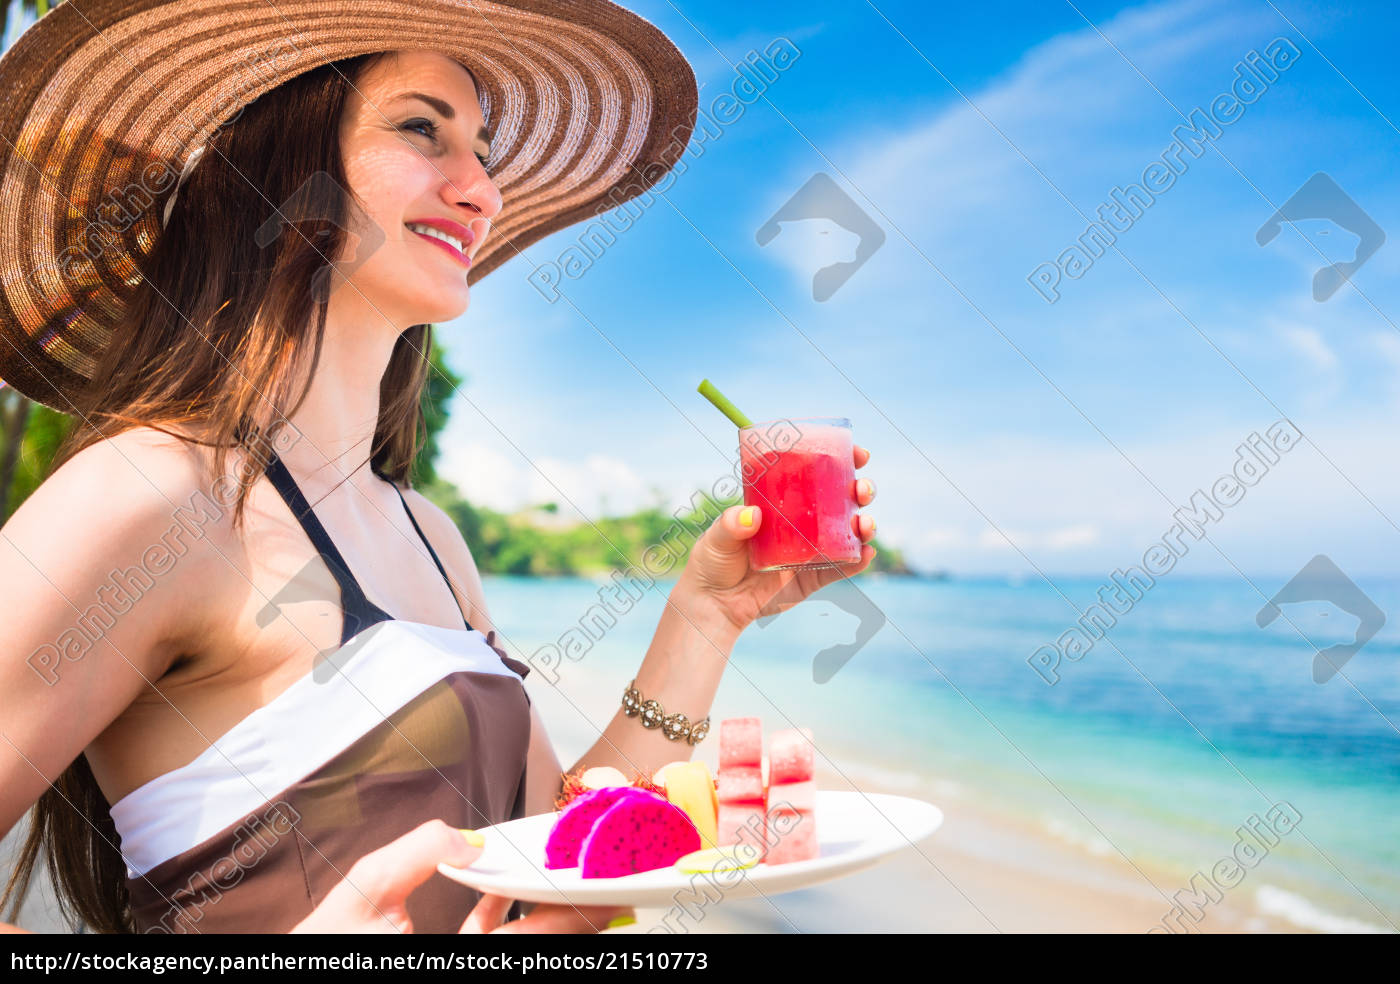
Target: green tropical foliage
point(30, 436)
point(437, 398)
point(29, 8)
point(534, 542)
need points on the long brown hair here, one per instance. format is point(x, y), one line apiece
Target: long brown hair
point(216, 337)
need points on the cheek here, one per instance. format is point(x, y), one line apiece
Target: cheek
point(387, 185)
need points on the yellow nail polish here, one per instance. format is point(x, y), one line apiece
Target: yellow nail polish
point(473, 838)
point(619, 921)
point(746, 515)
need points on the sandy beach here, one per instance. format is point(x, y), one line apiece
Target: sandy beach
point(979, 873)
point(983, 871)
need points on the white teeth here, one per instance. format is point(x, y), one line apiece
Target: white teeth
point(439, 234)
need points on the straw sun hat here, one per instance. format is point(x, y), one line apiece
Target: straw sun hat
point(106, 101)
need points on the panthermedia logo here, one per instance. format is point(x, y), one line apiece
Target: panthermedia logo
point(1322, 198)
point(821, 199)
point(1322, 580)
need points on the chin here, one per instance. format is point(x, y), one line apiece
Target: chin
point(434, 302)
point(447, 310)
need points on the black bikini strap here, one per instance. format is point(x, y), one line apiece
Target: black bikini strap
point(433, 552)
point(358, 611)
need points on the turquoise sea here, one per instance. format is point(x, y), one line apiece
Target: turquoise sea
point(1176, 728)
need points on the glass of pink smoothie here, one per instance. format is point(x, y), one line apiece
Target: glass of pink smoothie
point(801, 474)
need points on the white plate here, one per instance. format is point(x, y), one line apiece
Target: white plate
point(854, 831)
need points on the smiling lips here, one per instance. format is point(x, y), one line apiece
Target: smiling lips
point(449, 236)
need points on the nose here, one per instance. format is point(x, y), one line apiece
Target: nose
point(471, 189)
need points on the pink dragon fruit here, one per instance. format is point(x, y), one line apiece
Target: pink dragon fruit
point(638, 832)
point(571, 827)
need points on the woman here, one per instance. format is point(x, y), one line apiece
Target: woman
point(220, 745)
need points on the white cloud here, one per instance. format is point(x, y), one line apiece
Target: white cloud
point(595, 485)
point(1308, 343)
point(1071, 537)
point(598, 484)
point(1387, 344)
point(1002, 539)
point(1053, 540)
point(939, 537)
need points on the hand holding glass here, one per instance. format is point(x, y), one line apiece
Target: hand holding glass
point(801, 474)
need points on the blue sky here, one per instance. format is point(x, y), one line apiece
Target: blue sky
point(992, 415)
point(1008, 434)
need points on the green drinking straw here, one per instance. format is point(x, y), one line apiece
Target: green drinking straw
point(708, 391)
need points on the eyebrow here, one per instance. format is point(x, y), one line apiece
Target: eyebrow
point(444, 109)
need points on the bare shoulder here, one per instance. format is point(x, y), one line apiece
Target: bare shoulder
point(112, 503)
point(116, 489)
point(455, 555)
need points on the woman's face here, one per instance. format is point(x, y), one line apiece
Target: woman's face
point(413, 142)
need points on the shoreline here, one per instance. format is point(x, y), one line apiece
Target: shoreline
point(1000, 862)
point(985, 870)
point(982, 871)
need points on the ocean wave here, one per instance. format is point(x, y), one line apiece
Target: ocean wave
point(899, 779)
point(1276, 902)
point(1093, 843)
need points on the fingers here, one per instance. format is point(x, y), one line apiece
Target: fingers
point(388, 875)
point(832, 574)
point(569, 919)
point(863, 526)
point(861, 456)
point(487, 914)
point(735, 527)
point(865, 491)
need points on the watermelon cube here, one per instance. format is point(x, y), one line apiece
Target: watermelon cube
point(740, 742)
point(740, 784)
point(790, 756)
point(792, 795)
point(742, 823)
point(792, 836)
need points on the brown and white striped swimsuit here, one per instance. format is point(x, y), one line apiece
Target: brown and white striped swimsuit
point(403, 723)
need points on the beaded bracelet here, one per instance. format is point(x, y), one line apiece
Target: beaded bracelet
point(676, 727)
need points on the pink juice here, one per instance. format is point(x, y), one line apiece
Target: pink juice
point(801, 474)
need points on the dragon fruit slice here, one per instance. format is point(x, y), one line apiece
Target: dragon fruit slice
point(565, 842)
point(640, 831)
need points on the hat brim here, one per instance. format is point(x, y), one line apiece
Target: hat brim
point(588, 106)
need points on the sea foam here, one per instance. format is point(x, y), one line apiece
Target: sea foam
point(1273, 901)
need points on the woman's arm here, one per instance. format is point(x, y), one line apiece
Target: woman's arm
point(93, 598)
point(681, 670)
point(715, 598)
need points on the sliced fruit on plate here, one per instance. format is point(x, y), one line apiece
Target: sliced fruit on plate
point(561, 849)
point(714, 859)
point(740, 742)
point(743, 823)
point(603, 776)
point(638, 832)
point(740, 784)
point(689, 786)
point(790, 756)
point(659, 776)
